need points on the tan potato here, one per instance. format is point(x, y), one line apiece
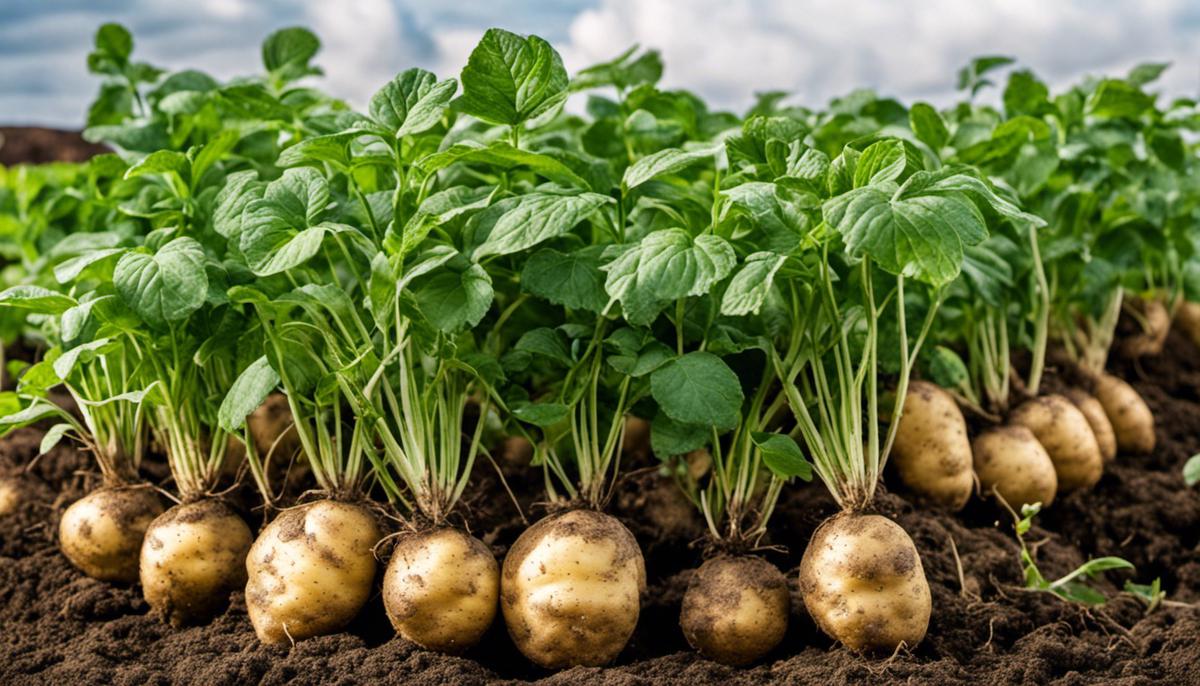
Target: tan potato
point(1187, 320)
point(272, 423)
point(10, 494)
point(932, 453)
point(1091, 408)
point(1153, 334)
point(863, 583)
point(101, 533)
point(311, 570)
point(1131, 419)
point(441, 589)
point(735, 609)
point(635, 444)
point(1065, 433)
point(570, 589)
point(516, 451)
point(193, 557)
point(1010, 460)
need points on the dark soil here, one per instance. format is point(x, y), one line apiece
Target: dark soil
point(35, 145)
point(62, 627)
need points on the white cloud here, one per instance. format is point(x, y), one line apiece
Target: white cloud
point(911, 48)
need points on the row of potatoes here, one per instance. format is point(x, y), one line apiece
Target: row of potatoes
point(1049, 445)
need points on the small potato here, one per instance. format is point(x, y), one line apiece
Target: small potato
point(101, 533)
point(1153, 334)
point(932, 453)
point(863, 583)
point(516, 451)
point(271, 425)
point(441, 589)
point(635, 444)
point(1010, 460)
point(1131, 419)
point(193, 557)
point(1091, 408)
point(10, 495)
point(570, 589)
point(1065, 433)
point(1187, 320)
point(311, 570)
point(735, 609)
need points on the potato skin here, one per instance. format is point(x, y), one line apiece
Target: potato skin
point(1010, 460)
point(311, 570)
point(735, 609)
point(1131, 419)
point(193, 557)
point(932, 453)
point(1091, 408)
point(1187, 319)
point(1065, 433)
point(570, 589)
point(441, 589)
point(863, 583)
point(10, 494)
point(1148, 341)
point(273, 421)
point(102, 532)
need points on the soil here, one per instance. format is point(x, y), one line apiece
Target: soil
point(35, 145)
point(62, 627)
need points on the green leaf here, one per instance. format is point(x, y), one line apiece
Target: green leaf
point(279, 231)
point(161, 162)
point(625, 71)
point(240, 189)
point(36, 298)
point(1146, 73)
point(164, 287)
point(529, 219)
point(669, 438)
point(665, 266)
point(946, 368)
point(411, 103)
point(40, 409)
point(1119, 99)
point(1191, 471)
point(453, 299)
point(69, 270)
point(928, 125)
point(887, 160)
point(503, 156)
point(439, 209)
point(661, 163)
point(546, 342)
point(698, 388)
point(971, 77)
point(921, 236)
point(510, 79)
point(749, 287)
point(53, 437)
point(573, 280)
point(247, 393)
point(541, 414)
point(782, 456)
point(287, 52)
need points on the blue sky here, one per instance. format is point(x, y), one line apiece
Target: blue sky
point(723, 49)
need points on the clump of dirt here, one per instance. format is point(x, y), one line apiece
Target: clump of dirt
point(63, 627)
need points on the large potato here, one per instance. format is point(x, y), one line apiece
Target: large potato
point(101, 533)
point(735, 609)
point(1010, 460)
point(441, 589)
point(932, 453)
point(193, 557)
point(1091, 408)
point(863, 583)
point(571, 589)
point(1131, 419)
point(311, 570)
point(1065, 433)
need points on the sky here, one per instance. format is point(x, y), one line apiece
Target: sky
point(725, 50)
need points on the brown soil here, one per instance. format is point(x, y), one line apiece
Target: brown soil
point(35, 145)
point(61, 627)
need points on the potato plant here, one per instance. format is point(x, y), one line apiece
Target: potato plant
point(259, 277)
